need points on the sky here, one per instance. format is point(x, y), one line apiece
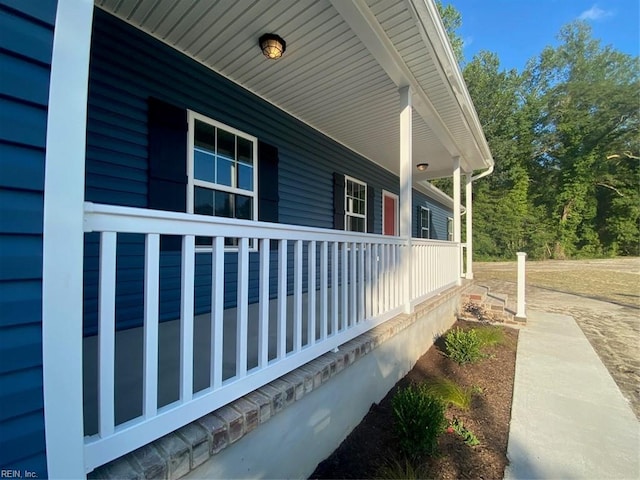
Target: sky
point(517, 30)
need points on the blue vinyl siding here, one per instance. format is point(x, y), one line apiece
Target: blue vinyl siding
point(25, 57)
point(439, 214)
point(117, 162)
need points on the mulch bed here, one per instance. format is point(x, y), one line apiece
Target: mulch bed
point(373, 443)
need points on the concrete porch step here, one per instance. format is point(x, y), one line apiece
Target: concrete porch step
point(479, 303)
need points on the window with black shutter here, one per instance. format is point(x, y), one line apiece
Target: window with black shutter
point(201, 166)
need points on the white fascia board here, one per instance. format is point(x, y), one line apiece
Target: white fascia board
point(365, 25)
point(430, 26)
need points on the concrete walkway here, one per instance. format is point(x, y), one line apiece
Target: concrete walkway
point(569, 419)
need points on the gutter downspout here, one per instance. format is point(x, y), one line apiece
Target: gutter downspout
point(469, 219)
point(487, 172)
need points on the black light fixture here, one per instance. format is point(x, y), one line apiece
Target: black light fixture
point(272, 45)
point(422, 166)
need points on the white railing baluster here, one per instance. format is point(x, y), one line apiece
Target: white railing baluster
point(263, 308)
point(353, 300)
point(242, 328)
point(431, 283)
point(361, 283)
point(311, 293)
point(423, 266)
point(334, 288)
point(394, 281)
point(377, 279)
point(297, 295)
point(324, 287)
point(282, 299)
point(368, 282)
point(151, 294)
point(106, 333)
point(344, 264)
point(417, 271)
point(386, 269)
point(217, 311)
point(186, 318)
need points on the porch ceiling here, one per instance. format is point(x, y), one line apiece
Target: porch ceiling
point(344, 63)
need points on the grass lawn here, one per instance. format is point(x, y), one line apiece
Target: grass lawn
point(613, 280)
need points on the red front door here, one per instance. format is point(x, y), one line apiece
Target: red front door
point(390, 214)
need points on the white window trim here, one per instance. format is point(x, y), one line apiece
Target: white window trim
point(193, 182)
point(450, 229)
point(346, 203)
point(396, 227)
point(428, 228)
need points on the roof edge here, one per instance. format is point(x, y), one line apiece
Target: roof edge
point(427, 13)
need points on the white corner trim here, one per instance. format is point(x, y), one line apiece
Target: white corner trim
point(63, 240)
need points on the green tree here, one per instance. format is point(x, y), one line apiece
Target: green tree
point(586, 99)
point(501, 200)
point(564, 137)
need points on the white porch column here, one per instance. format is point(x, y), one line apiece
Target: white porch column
point(405, 191)
point(456, 213)
point(468, 201)
point(64, 239)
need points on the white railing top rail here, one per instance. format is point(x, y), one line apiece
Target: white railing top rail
point(431, 241)
point(111, 218)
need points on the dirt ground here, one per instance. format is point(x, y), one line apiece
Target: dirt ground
point(373, 443)
point(603, 296)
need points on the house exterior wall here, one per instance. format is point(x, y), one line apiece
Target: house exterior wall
point(439, 214)
point(117, 160)
point(25, 62)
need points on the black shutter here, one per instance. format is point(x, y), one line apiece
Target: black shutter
point(167, 161)
point(338, 201)
point(370, 209)
point(268, 195)
point(167, 156)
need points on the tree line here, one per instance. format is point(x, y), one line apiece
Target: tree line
point(565, 140)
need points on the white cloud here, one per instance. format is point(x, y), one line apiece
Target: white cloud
point(595, 13)
point(467, 41)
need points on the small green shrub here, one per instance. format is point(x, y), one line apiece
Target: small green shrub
point(489, 336)
point(467, 435)
point(418, 419)
point(450, 392)
point(403, 469)
point(463, 346)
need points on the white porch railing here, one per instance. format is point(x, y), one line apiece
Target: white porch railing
point(343, 284)
point(432, 267)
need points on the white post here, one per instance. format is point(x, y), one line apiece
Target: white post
point(520, 313)
point(406, 163)
point(469, 236)
point(457, 236)
point(63, 240)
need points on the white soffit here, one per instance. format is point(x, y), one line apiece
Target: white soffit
point(328, 77)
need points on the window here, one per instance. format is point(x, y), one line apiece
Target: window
point(222, 172)
point(425, 221)
point(450, 229)
point(355, 205)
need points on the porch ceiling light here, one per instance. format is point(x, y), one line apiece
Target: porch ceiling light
point(422, 166)
point(272, 45)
